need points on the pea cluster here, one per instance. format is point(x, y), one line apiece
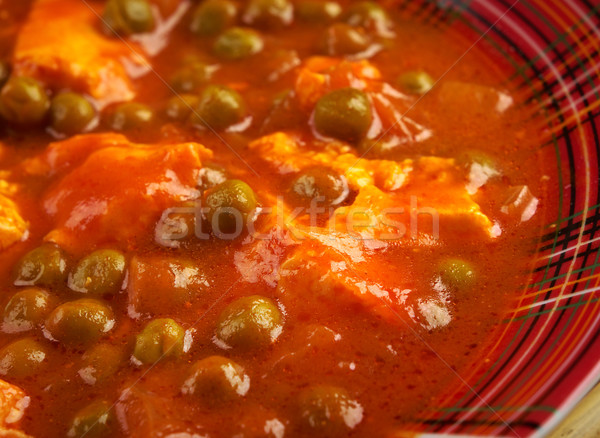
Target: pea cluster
point(229, 204)
point(246, 324)
point(24, 102)
point(344, 114)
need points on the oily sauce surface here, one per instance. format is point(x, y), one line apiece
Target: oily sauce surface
point(381, 322)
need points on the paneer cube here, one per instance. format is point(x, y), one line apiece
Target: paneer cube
point(286, 153)
point(13, 403)
point(117, 191)
point(13, 227)
point(337, 273)
point(159, 286)
point(388, 191)
point(61, 43)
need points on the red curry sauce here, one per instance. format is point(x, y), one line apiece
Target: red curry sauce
point(345, 321)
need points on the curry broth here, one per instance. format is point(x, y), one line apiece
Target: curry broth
point(390, 365)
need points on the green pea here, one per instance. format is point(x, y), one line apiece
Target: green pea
point(368, 15)
point(328, 411)
point(44, 266)
point(249, 323)
point(128, 16)
point(343, 39)
point(229, 206)
point(416, 82)
point(317, 11)
point(130, 115)
point(160, 339)
point(71, 113)
point(80, 322)
point(219, 108)
point(26, 309)
point(212, 17)
point(101, 272)
point(344, 114)
point(269, 13)
point(457, 274)
point(237, 43)
point(211, 175)
point(191, 77)
point(99, 363)
point(22, 358)
point(180, 108)
point(319, 183)
point(216, 380)
point(93, 421)
point(24, 101)
point(4, 72)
